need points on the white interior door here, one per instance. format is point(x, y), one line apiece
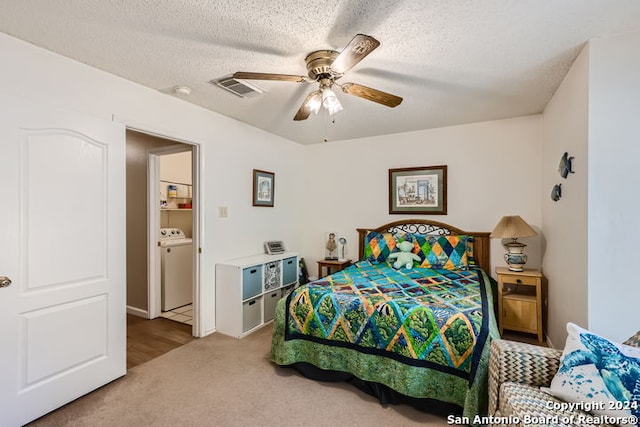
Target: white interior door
point(62, 227)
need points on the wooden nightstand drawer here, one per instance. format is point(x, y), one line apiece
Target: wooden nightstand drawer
point(520, 280)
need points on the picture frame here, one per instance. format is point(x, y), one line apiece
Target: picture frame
point(263, 188)
point(418, 190)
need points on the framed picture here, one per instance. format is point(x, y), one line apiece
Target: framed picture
point(263, 188)
point(419, 190)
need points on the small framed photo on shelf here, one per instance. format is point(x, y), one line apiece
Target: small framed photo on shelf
point(263, 188)
point(418, 190)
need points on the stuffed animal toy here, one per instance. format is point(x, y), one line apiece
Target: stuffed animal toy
point(405, 257)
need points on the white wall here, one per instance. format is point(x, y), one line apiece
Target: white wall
point(592, 232)
point(564, 222)
point(53, 80)
point(493, 170)
point(176, 167)
point(614, 205)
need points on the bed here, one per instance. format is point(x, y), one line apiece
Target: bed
point(417, 335)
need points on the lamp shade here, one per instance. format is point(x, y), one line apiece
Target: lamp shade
point(315, 102)
point(330, 101)
point(512, 227)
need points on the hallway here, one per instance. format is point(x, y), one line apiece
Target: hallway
point(148, 339)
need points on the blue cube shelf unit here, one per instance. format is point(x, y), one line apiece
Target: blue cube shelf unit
point(248, 289)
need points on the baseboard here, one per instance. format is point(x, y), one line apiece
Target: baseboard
point(137, 312)
point(549, 343)
point(207, 332)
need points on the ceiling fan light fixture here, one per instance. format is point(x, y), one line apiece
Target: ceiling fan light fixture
point(330, 101)
point(315, 102)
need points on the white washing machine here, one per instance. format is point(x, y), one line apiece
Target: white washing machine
point(176, 268)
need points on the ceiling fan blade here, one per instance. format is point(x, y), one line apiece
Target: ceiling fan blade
point(374, 95)
point(305, 109)
point(244, 75)
point(359, 47)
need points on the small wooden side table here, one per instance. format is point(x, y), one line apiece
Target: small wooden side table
point(335, 265)
point(520, 301)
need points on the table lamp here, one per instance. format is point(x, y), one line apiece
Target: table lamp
point(512, 227)
point(343, 243)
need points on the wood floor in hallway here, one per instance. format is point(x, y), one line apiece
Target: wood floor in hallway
point(148, 339)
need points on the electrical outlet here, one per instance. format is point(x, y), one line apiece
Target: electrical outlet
point(222, 212)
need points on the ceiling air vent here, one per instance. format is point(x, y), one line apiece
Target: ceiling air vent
point(237, 87)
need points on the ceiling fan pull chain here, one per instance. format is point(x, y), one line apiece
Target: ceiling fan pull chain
point(326, 121)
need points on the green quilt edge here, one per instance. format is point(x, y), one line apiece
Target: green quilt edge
point(406, 379)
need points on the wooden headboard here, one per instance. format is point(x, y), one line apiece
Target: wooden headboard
point(481, 246)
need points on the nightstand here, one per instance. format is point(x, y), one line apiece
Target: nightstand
point(335, 265)
point(520, 301)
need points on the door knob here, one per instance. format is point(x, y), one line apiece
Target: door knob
point(4, 282)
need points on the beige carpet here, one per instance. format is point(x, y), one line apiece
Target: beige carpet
point(222, 381)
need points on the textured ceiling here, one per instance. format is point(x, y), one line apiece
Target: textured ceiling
point(453, 62)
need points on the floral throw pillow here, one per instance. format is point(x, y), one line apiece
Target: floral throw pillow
point(601, 376)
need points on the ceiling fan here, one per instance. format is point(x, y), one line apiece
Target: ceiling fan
point(326, 67)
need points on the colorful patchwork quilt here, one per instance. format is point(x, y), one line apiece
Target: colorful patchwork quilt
point(422, 332)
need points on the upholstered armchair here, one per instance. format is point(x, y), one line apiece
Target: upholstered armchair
point(516, 373)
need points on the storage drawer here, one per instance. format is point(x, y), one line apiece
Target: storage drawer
point(520, 280)
point(270, 301)
point(289, 270)
point(251, 314)
point(272, 275)
point(251, 281)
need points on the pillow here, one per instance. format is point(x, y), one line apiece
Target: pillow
point(448, 252)
point(378, 246)
point(471, 259)
point(598, 375)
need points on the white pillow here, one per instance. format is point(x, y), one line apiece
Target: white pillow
point(598, 375)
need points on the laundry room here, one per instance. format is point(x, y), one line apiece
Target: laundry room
point(176, 232)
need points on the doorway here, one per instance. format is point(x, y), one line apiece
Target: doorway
point(144, 219)
point(171, 227)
